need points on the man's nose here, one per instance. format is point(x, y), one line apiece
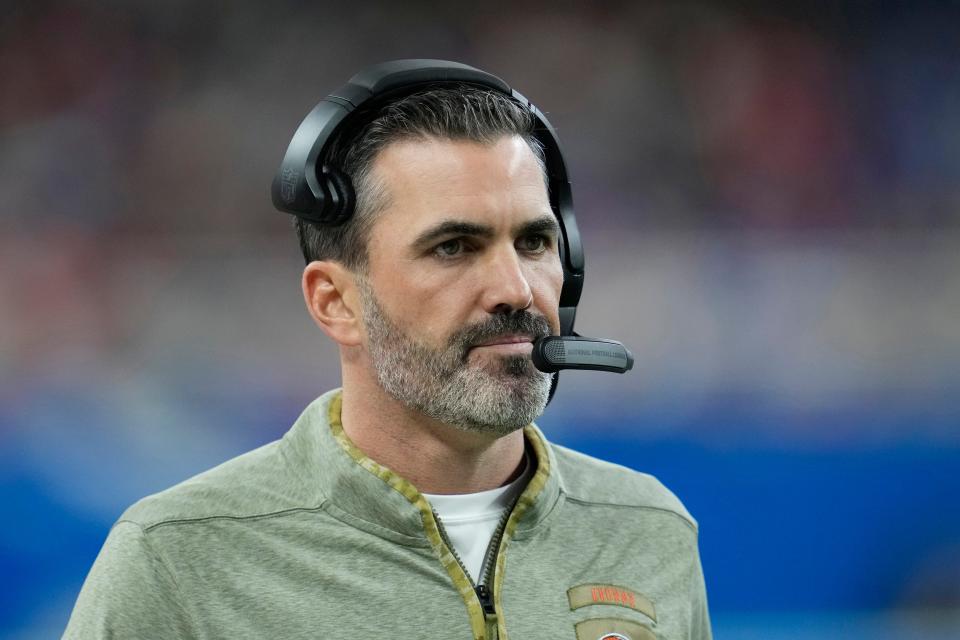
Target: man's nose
point(507, 287)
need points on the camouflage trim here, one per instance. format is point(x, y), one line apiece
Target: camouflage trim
point(410, 492)
point(524, 502)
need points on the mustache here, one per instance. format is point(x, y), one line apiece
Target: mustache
point(519, 321)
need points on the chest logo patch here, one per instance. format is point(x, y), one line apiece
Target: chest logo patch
point(612, 629)
point(587, 594)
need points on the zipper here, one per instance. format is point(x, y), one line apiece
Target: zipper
point(486, 599)
point(490, 557)
point(484, 590)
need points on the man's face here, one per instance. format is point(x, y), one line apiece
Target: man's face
point(463, 275)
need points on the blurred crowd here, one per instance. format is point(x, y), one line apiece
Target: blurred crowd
point(142, 117)
point(138, 140)
point(129, 131)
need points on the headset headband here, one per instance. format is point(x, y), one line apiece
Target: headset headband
point(323, 195)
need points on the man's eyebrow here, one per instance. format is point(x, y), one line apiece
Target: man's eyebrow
point(452, 227)
point(545, 223)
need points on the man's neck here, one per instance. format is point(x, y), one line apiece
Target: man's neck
point(436, 457)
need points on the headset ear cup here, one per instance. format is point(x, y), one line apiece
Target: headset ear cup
point(342, 198)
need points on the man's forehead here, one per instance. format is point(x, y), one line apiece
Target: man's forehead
point(425, 181)
point(430, 158)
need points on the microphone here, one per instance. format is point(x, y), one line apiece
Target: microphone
point(553, 353)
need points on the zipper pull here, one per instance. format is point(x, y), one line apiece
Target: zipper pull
point(486, 599)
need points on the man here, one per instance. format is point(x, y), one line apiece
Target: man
point(419, 500)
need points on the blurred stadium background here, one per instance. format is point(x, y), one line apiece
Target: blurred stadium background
point(770, 200)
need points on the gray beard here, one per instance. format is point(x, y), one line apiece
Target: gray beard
point(441, 384)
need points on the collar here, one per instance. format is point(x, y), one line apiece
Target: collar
point(363, 493)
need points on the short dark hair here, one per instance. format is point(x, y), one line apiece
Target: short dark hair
point(457, 112)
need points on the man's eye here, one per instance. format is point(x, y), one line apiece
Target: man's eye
point(449, 249)
point(533, 244)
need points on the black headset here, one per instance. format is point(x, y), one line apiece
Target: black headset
point(308, 188)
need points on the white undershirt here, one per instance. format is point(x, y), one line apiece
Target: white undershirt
point(470, 519)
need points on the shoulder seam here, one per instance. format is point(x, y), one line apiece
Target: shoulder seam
point(594, 503)
point(256, 516)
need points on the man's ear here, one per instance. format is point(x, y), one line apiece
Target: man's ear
point(330, 292)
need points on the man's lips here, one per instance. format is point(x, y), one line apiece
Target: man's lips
point(511, 339)
point(512, 344)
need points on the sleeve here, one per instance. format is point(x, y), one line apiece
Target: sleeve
point(699, 614)
point(129, 593)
